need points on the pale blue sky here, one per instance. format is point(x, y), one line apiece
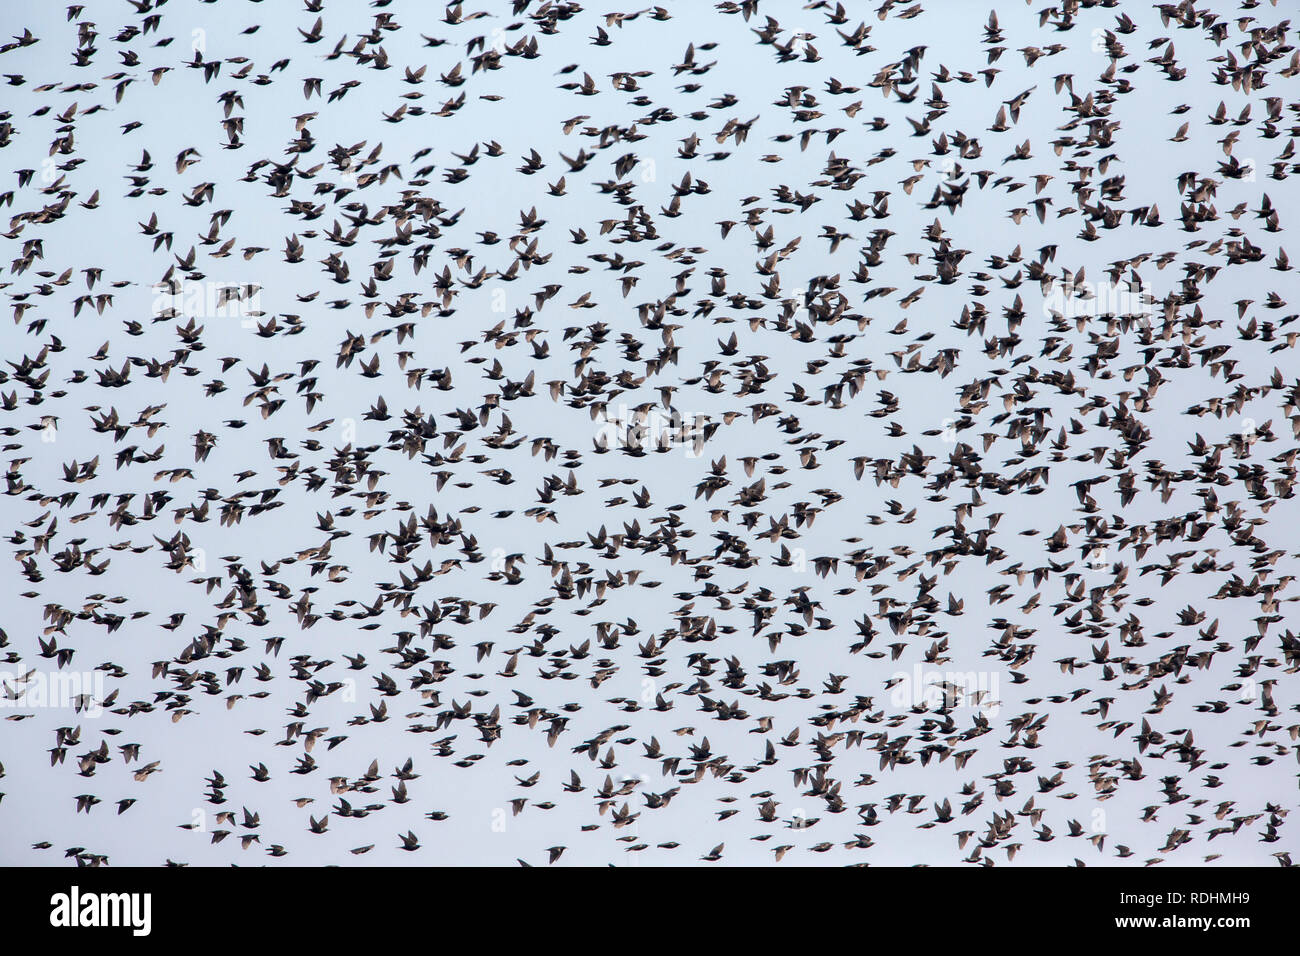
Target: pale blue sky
point(182, 111)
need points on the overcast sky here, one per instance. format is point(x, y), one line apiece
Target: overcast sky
point(217, 733)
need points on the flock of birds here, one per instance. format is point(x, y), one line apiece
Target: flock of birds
point(661, 436)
